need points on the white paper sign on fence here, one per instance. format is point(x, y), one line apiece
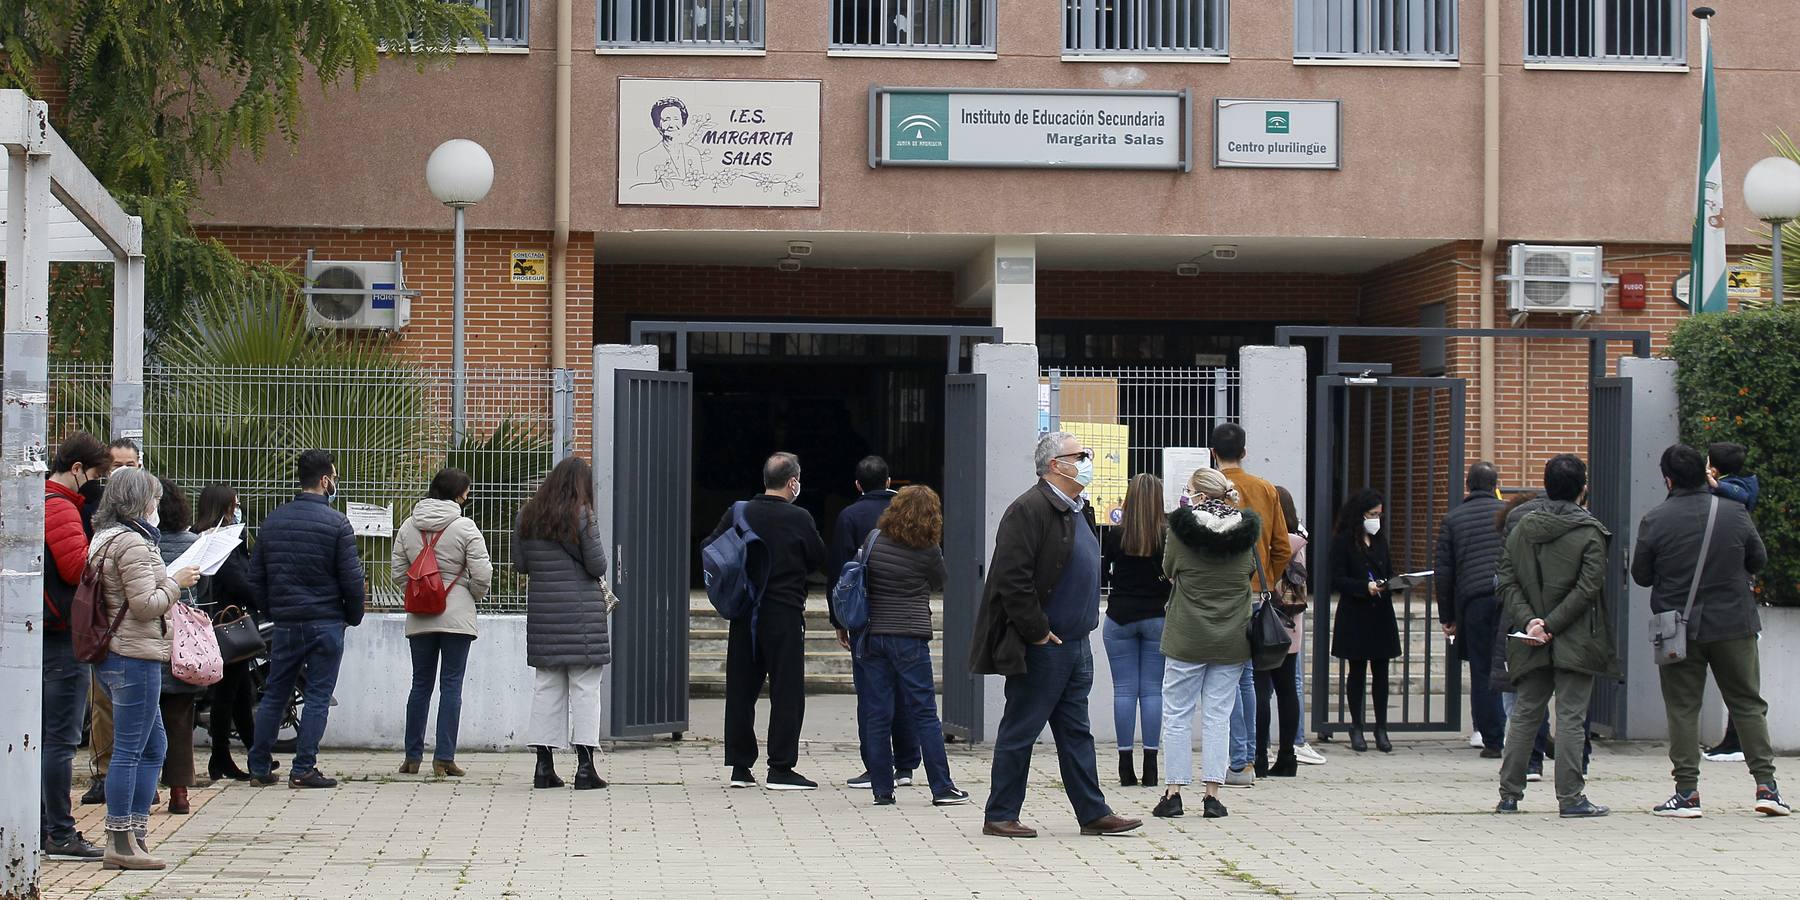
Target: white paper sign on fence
point(369, 520)
point(1179, 464)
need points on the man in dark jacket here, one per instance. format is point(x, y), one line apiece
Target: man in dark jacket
point(771, 646)
point(1468, 551)
point(1041, 601)
point(1551, 579)
point(853, 526)
point(307, 571)
point(1722, 628)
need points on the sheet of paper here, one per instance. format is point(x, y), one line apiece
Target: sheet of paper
point(1178, 466)
point(208, 554)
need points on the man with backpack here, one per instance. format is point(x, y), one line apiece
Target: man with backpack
point(81, 460)
point(769, 642)
point(307, 570)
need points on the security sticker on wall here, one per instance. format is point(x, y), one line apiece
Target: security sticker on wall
point(1743, 282)
point(528, 267)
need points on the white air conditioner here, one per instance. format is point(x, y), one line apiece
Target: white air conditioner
point(362, 295)
point(1553, 279)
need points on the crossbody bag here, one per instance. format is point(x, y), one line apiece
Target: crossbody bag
point(1669, 630)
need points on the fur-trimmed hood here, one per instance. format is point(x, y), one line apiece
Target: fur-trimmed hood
point(1215, 528)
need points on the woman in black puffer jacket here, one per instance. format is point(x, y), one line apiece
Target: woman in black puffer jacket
point(557, 543)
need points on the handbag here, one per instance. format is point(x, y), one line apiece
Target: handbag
point(193, 648)
point(1269, 639)
point(1669, 630)
point(90, 631)
point(239, 638)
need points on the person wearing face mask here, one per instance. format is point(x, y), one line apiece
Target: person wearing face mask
point(233, 699)
point(122, 454)
point(310, 576)
point(771, 645)
point(1364, 632)
point(1040, 603)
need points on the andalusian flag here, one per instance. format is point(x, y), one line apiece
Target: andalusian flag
point(1706, 288)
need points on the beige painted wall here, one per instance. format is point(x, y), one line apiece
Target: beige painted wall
point(1588, 156)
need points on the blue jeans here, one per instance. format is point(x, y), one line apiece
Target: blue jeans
point(1476, 632)
point(895, 667)
point(904, 742)
point(426, 651)
point(65, 699)
point(312, 650)
point(1134, 652)
point(1054, 691)
point(1300, 690)
point(1243, 720)
point(139, 741)
point(1213, 687)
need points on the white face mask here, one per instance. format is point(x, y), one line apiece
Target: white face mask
point(153, 519)
point(796, 489)
point(1372, 526)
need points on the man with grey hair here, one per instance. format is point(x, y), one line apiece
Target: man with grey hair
point(1041, 601)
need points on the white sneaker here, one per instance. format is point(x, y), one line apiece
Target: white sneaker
point(1476, 741)
point(1306, 755)
point(1736, 756)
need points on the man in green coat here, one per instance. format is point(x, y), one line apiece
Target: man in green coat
point(1550, 581)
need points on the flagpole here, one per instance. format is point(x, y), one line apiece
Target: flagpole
point(1698, 283)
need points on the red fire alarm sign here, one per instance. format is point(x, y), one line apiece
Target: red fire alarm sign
point(1632, 292)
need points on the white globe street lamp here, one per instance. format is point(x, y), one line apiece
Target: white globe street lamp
point(1772, 191)
point(459, 174)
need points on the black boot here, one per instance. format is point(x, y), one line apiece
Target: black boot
point(546, 770)
point(1286, 765)
point(1149, 768)
point(1357, 742)
point(586, 779)
point(1127, 775)
point(1381, 736)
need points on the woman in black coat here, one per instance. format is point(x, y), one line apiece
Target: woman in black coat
point(1363, 629)
point(231, 702)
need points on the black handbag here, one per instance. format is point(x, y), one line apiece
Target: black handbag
point(1269, 640)
point(239, 638)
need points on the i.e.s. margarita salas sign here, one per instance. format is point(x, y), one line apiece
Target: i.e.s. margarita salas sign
point(718, 143)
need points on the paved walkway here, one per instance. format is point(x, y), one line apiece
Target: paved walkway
point(1411, 824)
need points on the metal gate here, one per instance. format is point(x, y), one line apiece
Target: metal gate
point(652, 459)
point(1609, 499)
point(965, 541)
point(1404, 438)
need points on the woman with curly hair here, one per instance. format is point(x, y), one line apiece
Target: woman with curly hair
point(905, 566)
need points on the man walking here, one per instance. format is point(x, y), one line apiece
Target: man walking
point(771, 645)
point(1041, 601)
point(310, 577)
point(1468, 551)
point(1551, 576)
point(1228, 442)
point(1697, 553)
point(853, 526)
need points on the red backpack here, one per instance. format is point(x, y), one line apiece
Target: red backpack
point(426, 592)
point(88, 627)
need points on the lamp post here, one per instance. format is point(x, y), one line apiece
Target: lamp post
point(459, 174)
point(1772, 191)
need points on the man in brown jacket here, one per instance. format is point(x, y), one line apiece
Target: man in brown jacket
point(1041, 602)
point(1254, 494)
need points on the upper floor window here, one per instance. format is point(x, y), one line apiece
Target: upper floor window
point(1375, 29)
point(506, 24)
point(681, 24)
point(946, 25)
point(1159, 27)
point(1625, 32)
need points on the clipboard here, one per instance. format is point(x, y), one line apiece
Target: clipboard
point(1408, 580)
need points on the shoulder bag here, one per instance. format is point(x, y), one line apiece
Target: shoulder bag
point(1269, 640)
point(238, 636)
point(1669, 630)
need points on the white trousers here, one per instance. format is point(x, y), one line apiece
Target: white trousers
point(565, 707)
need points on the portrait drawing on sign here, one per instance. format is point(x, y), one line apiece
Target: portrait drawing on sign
point(673, 159)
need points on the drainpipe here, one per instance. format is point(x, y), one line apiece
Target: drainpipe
point(562, 380)
point(1490, 211)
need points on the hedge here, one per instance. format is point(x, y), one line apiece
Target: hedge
point(1740, 381)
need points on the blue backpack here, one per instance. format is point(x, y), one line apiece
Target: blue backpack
point(850, 599)
point(735, 565)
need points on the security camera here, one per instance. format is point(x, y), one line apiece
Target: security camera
point(799, 248)
point(787, 264)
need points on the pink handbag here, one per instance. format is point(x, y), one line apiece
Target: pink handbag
point(193, 648)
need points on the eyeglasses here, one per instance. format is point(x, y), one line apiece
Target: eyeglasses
point(1083, 456)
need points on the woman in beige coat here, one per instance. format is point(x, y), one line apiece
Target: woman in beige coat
point(136, 591)
point(463, 563)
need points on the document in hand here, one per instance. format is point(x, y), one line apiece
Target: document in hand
point(209, 553)
point(1408, 580)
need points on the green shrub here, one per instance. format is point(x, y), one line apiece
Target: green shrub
point(1740, 382)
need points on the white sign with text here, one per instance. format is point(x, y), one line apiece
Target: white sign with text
point(718, 143)
point(1277, 134)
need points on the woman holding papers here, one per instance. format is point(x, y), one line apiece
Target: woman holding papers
point(233, 699)
point(1364, 632)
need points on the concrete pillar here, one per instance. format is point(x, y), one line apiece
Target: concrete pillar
point(1012, 375)
point(1273, 412)
point(1653, 428)
point(1004, 277)
point(608, 359)
point(128, 349)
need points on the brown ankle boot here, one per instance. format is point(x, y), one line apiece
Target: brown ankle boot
point(178, 801)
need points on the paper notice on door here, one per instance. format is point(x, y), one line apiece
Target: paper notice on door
point(369, 520)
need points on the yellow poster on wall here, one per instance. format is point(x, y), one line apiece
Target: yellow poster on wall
point(1110, 444)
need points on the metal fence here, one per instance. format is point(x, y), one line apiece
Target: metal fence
point(389, 430)
point(1138, 420)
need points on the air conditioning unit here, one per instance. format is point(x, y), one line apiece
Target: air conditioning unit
point(364, 295)
point(1554, 279)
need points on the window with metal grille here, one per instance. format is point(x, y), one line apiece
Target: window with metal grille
point(1161, 27)
point(1375, 29)
point(1626, 32)
point(507, 21)
point(681, 24)
point(912, 25)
